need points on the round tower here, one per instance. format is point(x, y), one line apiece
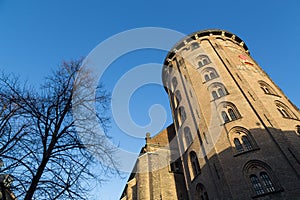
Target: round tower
point(238, 134)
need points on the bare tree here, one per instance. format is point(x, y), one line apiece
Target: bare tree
point(39, 140)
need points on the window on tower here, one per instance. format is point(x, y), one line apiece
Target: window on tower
point(181, 115)
point(177, 98)
point(284, 110)
point(194, 45)
point(269, 186)
point(209, 74)
point(242, 140)
point(206, 77)
point(256, 184)
point(229, 112)
point(175, 167)
point(201, 192)
point(187, 136)
point(203, 60)
point(225, 117)
point(232, 114)
point(217, 90)
point(261, 178)
point(215, 95)
point(267, 89)
point(174, 82)
point(298, 130)
point(194, 163)
point(238, 145)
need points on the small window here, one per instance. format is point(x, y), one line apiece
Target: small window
point(181, 115)
point(187, 136)
point(213, 75)
point(215, 95)
point(194, 46)
point(298, 129)
point(201, 192)
point(232, 114)
point(238, 145)
point(178, 96)
point(174, 82)
point(206, 77)
point(194, 163)
point(256, 185)
point(225, 117)
point(267, 182)
point(170, 68)
point(267, 88)
point(284, 110)
point(205, 61)
point(221, 92)
point(175, 167)
point(246, 143)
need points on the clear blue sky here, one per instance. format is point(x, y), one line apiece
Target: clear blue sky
point(35, 36)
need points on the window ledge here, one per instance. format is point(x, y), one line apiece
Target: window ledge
point(219, 97)
point(290, 118)
point(244, 152)
point(276, 95)
point(267, 193)
point(209, 80)
point(231, 121)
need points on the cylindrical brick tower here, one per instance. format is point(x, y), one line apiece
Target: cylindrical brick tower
point(238, 133)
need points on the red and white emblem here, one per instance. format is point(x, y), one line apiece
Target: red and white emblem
point(245, 60)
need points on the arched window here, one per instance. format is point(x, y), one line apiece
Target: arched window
point(261, 177)
point(215, 95)
point(284, 113)
point(238, 145)
point(298, 129)
point(232, 114)
point(221, 92)
point(178, 96)
point(203, 60)
point(209, 73)
point(246, 143)
point(225, 117)
point(213, 75)
point(241, 139)
point(194, 163)
point(266, 88)
point(206, 77)
point(181, 115)
point(256, 184)
point(201, 193)
point(267, 182)
point(174, 82)
point(229, 112)
point(284, 110)
point(187, 136)
point(217, 90)
point(194, 45)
